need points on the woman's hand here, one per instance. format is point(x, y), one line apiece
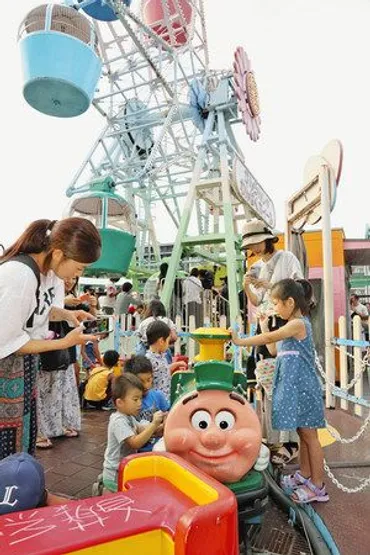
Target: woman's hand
point(260, 283)
point(70, 300)
point(77, 337)
point(78, 316)
point(75, 317)
point(248, 279)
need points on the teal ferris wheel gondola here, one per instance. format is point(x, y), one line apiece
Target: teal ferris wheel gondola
point(115, 219)
point(100, 9)
point(60, 60)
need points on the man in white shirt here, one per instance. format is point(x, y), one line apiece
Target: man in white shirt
point(192, 295)
point(361, 310)
point(107, 302)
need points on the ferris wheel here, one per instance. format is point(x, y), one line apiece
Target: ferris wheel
point(168, 135)
point(148, 146)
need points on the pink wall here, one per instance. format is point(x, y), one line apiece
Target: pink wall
point(340, 300)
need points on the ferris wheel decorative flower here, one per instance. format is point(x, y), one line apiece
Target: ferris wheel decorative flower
point(247, 93)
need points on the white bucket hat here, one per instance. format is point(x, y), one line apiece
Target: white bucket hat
point(255, 231)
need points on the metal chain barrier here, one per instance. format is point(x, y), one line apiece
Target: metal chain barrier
point(331, 431)
point(364, 364)
point(336, 435)
point(366, 482)
point(345, 489)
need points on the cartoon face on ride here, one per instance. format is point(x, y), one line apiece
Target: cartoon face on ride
point(214, 429)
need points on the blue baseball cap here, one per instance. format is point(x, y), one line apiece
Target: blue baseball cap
point(22, 483)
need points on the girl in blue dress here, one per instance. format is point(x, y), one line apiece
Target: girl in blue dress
point(296, 399)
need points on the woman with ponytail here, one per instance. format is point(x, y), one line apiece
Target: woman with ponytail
point(32, 271)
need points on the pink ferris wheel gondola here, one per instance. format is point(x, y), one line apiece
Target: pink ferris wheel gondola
point(171, 20)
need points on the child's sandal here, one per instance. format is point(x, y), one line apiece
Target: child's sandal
point(293, 481)
point(308, 493)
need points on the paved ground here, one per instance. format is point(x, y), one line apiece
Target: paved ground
point(73, 464)
point(347, 515)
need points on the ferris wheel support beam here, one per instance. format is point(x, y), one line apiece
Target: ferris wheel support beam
point(153, 242)
point(149, 152)
point(82, 189)
point(229, 220)
point(232, 143)
point(184, 223)
point(175, 199)
point(206, 255)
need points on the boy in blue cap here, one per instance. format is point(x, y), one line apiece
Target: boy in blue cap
point(22, 485)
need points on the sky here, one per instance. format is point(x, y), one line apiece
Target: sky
point(310, 59)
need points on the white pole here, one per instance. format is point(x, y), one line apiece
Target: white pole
point(122, 338)
point(343, 360)
point(287, 235)
point(368, 368)
point(357, 353)
point(191, 342)
point(178, 324)
point(239, 366)
point(328, 282)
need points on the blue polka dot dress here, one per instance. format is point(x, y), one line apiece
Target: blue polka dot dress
point(297, 398)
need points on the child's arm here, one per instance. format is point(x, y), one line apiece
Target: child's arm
point(84, 356)
point(294, 328)
point(174, 366)
point(97, 353)
point(140, 439)
point(264, 323)
point(162, 402)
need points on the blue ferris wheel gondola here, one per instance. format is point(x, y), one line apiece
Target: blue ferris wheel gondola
point(61, 64)
point(100, 9)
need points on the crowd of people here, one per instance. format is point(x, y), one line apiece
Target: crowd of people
point(44, 340)
point(193, 295)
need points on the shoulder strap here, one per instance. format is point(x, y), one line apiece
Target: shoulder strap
point(30, 262)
